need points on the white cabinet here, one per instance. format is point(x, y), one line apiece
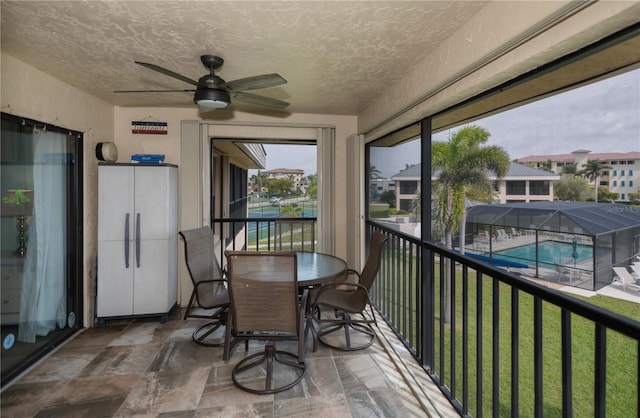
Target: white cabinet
point(137, 240)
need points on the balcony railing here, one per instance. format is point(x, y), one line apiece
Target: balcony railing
point(266, 234)
point(497, 344)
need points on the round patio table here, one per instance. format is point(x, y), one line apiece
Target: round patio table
point(318, 268)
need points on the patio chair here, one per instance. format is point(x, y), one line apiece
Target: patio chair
point(263, 288)
point(625, 279)
point(636, 270)
point(348, 299)
point(563, 274)
point(515, 232)
point(209, 298)
point(502, 235)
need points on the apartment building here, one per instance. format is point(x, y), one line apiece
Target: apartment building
point(521, 184)
point(623, 177)
point(294, 174)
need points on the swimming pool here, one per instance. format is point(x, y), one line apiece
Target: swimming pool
point(550, 253)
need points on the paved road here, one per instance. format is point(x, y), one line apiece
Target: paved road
point(284, 202)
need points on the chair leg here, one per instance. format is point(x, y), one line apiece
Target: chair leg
point(201, 333)
point(230, 342)
point(270, 356)
point(347, 323)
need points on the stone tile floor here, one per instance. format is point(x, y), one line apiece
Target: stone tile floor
point(141, 368)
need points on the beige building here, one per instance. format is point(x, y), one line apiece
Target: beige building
point(623, 177)
point(288, 173)
point(521, 184)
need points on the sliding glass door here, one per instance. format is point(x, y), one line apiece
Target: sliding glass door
point(40, 240)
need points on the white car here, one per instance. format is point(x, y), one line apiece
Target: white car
point(275, 201)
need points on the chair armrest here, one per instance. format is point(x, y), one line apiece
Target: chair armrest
point(224, 281)
point(336, 285)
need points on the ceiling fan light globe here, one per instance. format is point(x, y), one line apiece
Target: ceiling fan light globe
point(209, 99)
point(212, 104)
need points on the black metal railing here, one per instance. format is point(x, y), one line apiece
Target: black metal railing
point(266, 234)
point(500, 345)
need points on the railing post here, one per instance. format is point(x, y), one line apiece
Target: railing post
point(479, 339)
point(495, 386)
point(600, 385)
point(567, 388)
point(537, 357)
point(515, 351)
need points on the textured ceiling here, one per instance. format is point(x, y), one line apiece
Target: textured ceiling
point(336, 56)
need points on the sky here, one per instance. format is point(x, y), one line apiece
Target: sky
point(301, 157)
point(600, 117)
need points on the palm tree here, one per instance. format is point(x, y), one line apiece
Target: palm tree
point(462, 164)
point(570, 169)
point(290, 211)
point(258, 180)
point(546, 166)
point(593, 170)
point(374, 172)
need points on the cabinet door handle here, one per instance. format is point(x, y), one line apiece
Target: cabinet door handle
point(126, 241)
point(138, 240)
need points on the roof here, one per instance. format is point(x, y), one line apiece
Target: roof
point(516, 170)
point(601, 156)
point(412, 171)
point(521, 170)
point(284, 171)
point(577, 217)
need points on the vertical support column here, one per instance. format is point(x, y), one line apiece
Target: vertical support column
point(427, 285)
point(357, 188)
point(326, 187)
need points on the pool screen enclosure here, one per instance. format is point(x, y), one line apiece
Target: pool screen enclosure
point(574, 243)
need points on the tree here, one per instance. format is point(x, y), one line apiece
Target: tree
point(280, 186)
point(374, 172)
point(574, 189)
point(570, 169)
point(290, 211)
point(547, 165)
point(416, 207)
point(593, 170)
point(312, 189)
point(258, 181)
point(388, 197)
point(462, 164)
point(605, 195)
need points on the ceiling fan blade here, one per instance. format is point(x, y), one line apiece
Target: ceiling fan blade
point(256, 82)
point(155, 91)
point(259, 100)
point(167, 72)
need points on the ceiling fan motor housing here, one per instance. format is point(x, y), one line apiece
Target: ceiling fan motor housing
point(211, 98)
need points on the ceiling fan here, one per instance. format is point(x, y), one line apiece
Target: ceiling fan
point(212, 92)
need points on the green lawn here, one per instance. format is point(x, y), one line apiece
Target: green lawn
point(622, 352)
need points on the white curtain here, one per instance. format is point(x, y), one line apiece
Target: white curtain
point(43, 301)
